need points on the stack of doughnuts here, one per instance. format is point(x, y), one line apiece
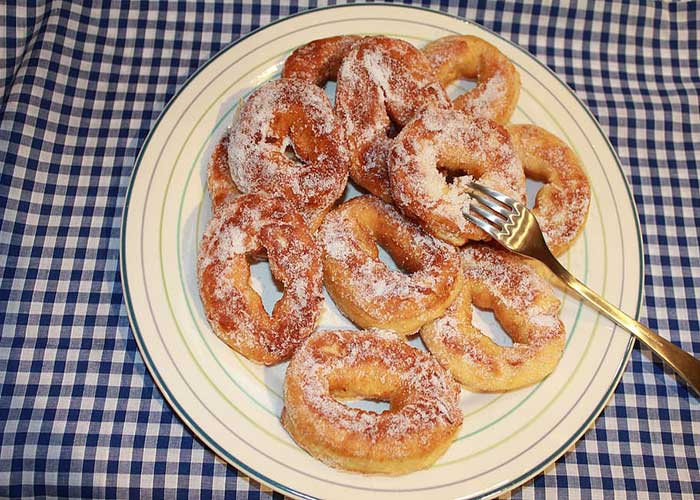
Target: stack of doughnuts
point(276, 180)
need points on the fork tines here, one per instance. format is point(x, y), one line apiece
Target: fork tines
point(498, 208)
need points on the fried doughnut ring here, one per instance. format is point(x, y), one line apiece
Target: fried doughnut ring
point(440, 138)
point(243, 227)
point(219, 183)
point(280, 115)
point(382, 83)
point(498, 82)
point(318, 61)
point(420, 425)
point(561, 205)
point(523, 303)
point(364, 288)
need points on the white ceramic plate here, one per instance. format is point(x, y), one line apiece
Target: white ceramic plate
point(234, 405)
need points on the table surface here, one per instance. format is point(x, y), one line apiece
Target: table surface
point(81, 87)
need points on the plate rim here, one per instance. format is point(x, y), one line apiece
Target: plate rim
point(202, 434)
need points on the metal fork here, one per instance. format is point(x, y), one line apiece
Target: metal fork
point(511, 224)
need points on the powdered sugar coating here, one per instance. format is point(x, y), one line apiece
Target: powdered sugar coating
point(525, 305)
point(248, 226)
point(283, 115)
point(447, 139)
point(382, 82)
point(561, 205)
point(424, 399)
point(364, 288)
point(465, 56)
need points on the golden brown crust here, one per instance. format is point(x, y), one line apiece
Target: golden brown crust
point(423, 419)
point(465, 56)
point(525, 306)
point(561, 205)
point(382, 83)
point(364, 288)
point(318, 61)
point(219, 183)
point(248, 226)
point(290, 115)
point(445, 139)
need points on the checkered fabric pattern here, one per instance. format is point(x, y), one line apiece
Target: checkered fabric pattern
point(81, 85)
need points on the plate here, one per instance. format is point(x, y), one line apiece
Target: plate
point(234, 405)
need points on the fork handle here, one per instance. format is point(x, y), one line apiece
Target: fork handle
point(687, 366)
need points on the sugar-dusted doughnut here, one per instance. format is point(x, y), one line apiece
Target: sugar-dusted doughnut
point(283, 117)
point(247, 226)
point(364, 288)
point(219, 183)
point(561, 205)
point(330, 365)
point(523, 303)
point(442, 139)
point(465, 56)
point(382, 82)
point(318, 61)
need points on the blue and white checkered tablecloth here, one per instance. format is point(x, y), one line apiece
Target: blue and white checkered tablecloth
point(81, 85)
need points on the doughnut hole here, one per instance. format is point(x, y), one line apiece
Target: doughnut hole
point(532, 187)
point(366, 389)
point(393, 129)
point(459, 86)
point(291, 154)
point(296, 137)
point(329, 89)
point(268, 288)
point(388, 260)
point(486, 322)
point(375, 406)
point(379, 232)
